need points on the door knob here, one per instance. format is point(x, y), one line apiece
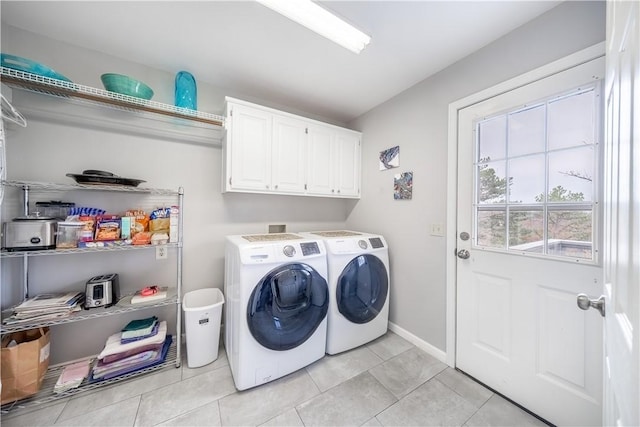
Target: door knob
point(463, 254)
point(585, 303)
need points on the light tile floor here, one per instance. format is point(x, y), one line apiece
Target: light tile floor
point(388, 382)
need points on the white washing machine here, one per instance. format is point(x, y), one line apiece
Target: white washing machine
point(358, 266)
point(277, 299)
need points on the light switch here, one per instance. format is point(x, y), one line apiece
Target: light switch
point(437, 229)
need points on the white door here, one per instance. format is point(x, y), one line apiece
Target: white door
point(528, 232)
point(289, 155)
point(622, 216)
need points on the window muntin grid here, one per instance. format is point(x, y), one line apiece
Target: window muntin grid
point(535, 177)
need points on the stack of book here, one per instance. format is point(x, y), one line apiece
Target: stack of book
point(141, 344)
point(46, 307)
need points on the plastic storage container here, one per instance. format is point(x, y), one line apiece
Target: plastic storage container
point(55, 209)
point(68, 234)
point(202, 316)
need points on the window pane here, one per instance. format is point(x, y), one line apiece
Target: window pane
point(527, 131)
point(526, 231)
point(527, 179)
point(572, 121)
point(571, 175)
point(535, 171)
point(570, 233)
point(492, 139)
point(492, 183)
point(491, 229)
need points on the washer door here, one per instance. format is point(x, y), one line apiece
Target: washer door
point(362, 289)
point(287, 306)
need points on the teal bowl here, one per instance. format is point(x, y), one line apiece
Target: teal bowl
point(125, 85)
point(28, 66)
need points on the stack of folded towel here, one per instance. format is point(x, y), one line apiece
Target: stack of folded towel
point(141, 344)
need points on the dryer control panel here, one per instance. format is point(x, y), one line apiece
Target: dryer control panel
point(355, 245)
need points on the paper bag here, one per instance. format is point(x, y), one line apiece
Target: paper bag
point(24, 365)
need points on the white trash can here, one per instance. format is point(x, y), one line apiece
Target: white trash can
point(202, 315)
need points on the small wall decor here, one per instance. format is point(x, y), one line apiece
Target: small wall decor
point(403, 186)
point(390, 158)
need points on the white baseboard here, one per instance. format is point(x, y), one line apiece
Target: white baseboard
point(418, 342)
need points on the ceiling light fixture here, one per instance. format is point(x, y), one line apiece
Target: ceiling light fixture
point(320, 20)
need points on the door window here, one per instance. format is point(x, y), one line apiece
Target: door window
point(535, 177)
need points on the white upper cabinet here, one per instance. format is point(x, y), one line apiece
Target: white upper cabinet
point(250, 158)
point(347, 163)
point(269, 151)
point(333, 162)
point(289, 155)
point(320, 161)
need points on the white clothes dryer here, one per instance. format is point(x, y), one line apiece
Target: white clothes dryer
point(276, 308)
point(359, 278)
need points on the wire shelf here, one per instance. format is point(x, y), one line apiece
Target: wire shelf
point(47, 186)
point(59, 88)
point(45, 252)
point(123, 306)
point(46, 394)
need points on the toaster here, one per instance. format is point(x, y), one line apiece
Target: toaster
point(102, 291)
point(29, 233)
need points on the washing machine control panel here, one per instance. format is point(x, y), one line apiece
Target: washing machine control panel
point(289, 251)
point(310, 248)
point(362, 244)
point(376, 242)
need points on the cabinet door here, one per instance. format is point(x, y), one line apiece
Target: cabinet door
point(347, 163)
point(250, 149)
point(320, 164)
point(289, 155)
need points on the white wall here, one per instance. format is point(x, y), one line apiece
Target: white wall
point(416, 120)
point(46, 151)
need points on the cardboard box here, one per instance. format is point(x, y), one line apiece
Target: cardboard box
point(24, 365)
point(173, 224)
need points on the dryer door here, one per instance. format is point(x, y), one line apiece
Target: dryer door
point(287, 306)
point(362, 289)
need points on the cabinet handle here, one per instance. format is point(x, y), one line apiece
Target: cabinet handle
point(267, 186)
point(338, 191)
point(276, 186)
point(333, 191)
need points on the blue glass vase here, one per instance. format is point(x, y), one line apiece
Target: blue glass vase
point(186, 91)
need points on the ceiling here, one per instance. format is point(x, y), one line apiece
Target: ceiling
point(247, 48)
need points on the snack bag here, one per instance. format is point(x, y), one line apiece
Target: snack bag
point(140, 221)
point(160, 221)
point(107, 227)
point(88, 230)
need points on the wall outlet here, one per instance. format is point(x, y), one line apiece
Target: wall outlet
point(161, 252)
point(437, 230)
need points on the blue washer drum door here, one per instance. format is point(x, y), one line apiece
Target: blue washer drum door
point(362, 289)
point(287, 306)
